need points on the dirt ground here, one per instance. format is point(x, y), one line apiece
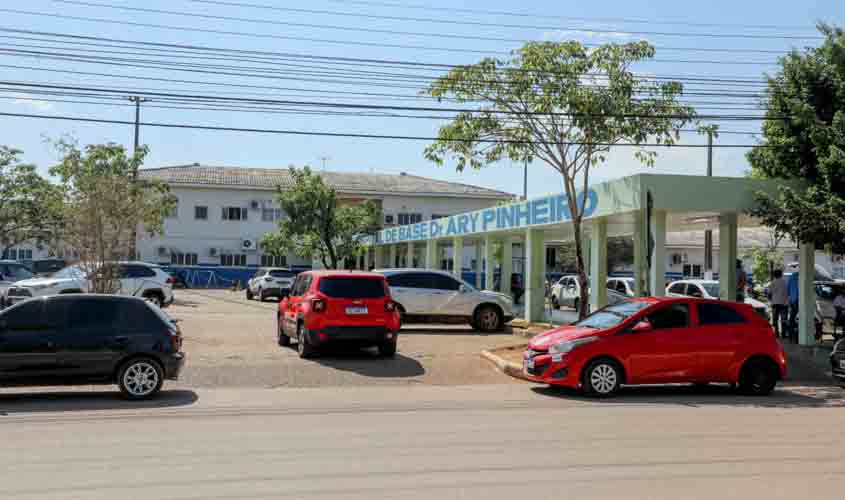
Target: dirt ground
point(231, 342)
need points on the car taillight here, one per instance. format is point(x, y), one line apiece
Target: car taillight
point(390, 306)
point(170, 280)
point(175, 339)
point(318, 305)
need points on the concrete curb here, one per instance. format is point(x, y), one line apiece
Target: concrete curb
point(503, 365)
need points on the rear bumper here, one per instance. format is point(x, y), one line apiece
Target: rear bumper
point(173, 364)
point(361, 335)
point(276, 291)
point(836, 361)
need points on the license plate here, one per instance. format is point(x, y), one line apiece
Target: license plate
point(842, 364)
point(356, 310)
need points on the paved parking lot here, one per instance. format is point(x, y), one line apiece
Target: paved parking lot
point(231, 342)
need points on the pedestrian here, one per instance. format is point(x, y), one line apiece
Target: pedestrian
point(780, 303)
point(792, 289)
point(741, 281)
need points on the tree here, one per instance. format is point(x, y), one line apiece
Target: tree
point(317, 224)
point(804, 141)
point(29, 204)
point(564, 104)
point(104, 206)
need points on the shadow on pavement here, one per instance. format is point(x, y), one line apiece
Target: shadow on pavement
point(88, 401)
point(716, 395)
point(368, 363)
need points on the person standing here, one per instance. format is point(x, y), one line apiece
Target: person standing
point(780, 303)
point(741, 282)
point(792, 289)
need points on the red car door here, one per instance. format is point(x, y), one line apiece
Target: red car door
point(293, 302)
point(665, 352)
point(719, 338)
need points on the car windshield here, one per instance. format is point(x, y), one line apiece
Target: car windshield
point(352, 288)
point(611, 316)
point(712, 289)
point(279, 273)
point(70, 272)
point(16, 273)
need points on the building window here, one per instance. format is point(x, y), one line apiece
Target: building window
point(438, 216)
point(173, 213)
point(17, 254)
point(409, 219)
point(274, 261)
point(271, 214)
point(200, 213)
point(238, 259)
point(184, 259)
point(234, 213)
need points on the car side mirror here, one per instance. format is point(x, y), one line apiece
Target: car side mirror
point(642, 327)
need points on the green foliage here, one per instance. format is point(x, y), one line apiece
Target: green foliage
point(30, 206)
point(317, 224)
point(804, 141)
point(104, 205)
point(561, 103)
point(764, 260)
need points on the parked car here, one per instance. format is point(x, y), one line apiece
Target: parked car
point(826, 293)
point(137, 279)
point(45, 267)
point(339, 307)
point(625, 286)
point(11, 272)
point(709, 289)
point(425, 295)
point(567, 292)
point(837, 361)
point(270, 282)
point(660, 340)
point(90, 339)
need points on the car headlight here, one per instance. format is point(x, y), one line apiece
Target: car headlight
point(568, 345)
point(39, 287)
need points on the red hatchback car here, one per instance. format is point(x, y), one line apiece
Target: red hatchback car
point(660, 341)
point(347, 307)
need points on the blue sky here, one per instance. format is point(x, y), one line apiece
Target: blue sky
point(169, 147)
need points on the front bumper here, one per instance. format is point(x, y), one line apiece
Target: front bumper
point(173, 364)
point(548, 371)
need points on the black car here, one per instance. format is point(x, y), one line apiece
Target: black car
point(837, 361)
point(89, 339)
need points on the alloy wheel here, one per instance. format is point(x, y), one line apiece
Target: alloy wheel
point(140, 379)
point(488, 319)
point(603, 379)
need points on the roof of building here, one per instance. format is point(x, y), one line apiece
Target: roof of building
point(747, 237)
point(343, 182)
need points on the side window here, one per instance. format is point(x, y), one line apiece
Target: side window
point(694, 291)
point(56, 310)
point(135, 315)
point(27, 317)
point(412, 280)
point(445, 283)
point(717, 314)
point(679, 288)
point(671, 316)
point(611, 284)
point(294, 289)
point(306, 284)
point(92, 314)
point(620, 287)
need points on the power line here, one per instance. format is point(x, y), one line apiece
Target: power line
point(437, 35)
point(348, 134)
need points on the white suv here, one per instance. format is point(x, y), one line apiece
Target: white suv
point(270, 282)
point(10, 273)
point(709, 289)
point(567, 291)
point(138, 279)
point(428, 295)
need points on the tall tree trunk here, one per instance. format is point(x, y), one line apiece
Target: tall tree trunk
point(580, 268)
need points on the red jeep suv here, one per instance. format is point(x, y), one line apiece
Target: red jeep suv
point(348, 307)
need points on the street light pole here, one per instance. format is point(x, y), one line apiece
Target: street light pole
point(137, 100)
point(708, 234)
point(525, 180)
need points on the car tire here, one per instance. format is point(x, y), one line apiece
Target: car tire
point(555, 303)
point(249, 295)
point(488, 319)
point(602, 378)
point(575, 304)
point(284, 340)
point(140, 378)
point(262, 295)
point(388, 349)
point(304, 349)
point(757, 378)
point(156, 298)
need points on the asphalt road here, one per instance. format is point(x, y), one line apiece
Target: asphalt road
point(491, 442)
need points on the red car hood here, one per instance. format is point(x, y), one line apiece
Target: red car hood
point(543, 341)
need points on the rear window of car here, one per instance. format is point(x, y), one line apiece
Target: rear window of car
point(282, 274)
point(717, 314)
point(352, 288)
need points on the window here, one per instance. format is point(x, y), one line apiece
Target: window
point(671, 316)
point(136, 315)
point(14, 272)
point(173, 213)
point(234, 213)
point(694, 291)
point(438, 216)
point(274, 260)
point(17, 254)
point(352, 288)
point(85, 313)
point(237, 259)
point(388, 219)
point(271, 214)
point(281, 273)
point(621, 288)
point(409, 219)
point(184, 259)
point(135, 271)
point(611, 284)
point(678, 288)
point(26, 317)
point(611, 316)
point(301, 286)
point(410, 280)
point(441, 282)
point(717, 314)
point(200, 212)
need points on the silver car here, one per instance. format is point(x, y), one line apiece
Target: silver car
point(11, 272)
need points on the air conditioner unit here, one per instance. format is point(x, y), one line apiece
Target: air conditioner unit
point(247, 244)
point(388, 219)
point(212, 252)
point(161, 251)
point(255, 204)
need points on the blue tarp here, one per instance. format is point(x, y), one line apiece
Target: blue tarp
point(215, 276)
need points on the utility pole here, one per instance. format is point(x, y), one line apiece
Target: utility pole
point(133, 250)
point(708, 234)
point(525, 180)
point(324, 159)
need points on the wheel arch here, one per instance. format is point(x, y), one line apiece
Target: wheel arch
point(613, 359)
point(132, 357)
point(758, 358)
point(494, 305)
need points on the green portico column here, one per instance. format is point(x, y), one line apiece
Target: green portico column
point(457, 256)
point(640, 255)
point(727, 256)
point(409, 255)
point(535, 274)
point(392, 256)
point(598, 264)
point(507, 266)
point(431, 254)
point(489, 266)
point(806, 294)
point(657, 277)
point(479, 256)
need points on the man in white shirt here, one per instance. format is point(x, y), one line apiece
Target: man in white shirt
point(780, 302)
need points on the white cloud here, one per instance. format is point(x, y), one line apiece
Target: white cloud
point(25, 99)
point(587, 35)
